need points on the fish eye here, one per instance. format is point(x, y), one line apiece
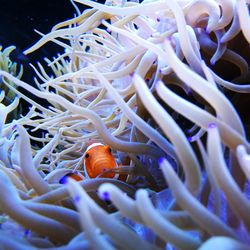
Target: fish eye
point(110, 150)
point(87, 155)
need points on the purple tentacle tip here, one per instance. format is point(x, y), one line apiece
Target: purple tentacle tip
point(14, 127)
point(207, 30)
point(63, 180)
point(212, 125)
point(189, 92)
point(160, 160)
point(77, 198)
point(132, 74)
point(105, 196)
point(26, 232)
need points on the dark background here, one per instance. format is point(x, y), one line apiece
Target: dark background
point(19, 18)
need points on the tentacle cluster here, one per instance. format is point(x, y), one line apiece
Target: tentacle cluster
point(156, 81)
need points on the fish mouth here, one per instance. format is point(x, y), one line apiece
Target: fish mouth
point(104, 170)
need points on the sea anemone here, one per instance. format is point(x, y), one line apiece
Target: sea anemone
point(155, 81)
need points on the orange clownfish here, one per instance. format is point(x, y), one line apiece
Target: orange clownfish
point(98, 159)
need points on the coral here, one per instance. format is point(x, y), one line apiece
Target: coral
point(6, 64)
point(154, 81)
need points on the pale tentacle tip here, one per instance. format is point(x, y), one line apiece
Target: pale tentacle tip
point(241, 150)
point(212, 62)
point(224, 39)
point(157, 84)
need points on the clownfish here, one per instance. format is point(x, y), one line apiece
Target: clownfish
point(98, 158)
point(74, 176)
